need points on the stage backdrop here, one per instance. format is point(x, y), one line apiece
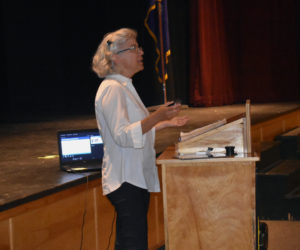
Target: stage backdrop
point(244, 49)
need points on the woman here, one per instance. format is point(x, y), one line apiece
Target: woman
point(128, 130)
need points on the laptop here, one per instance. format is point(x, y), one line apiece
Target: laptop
point(80, 150)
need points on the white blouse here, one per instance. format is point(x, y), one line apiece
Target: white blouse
point(129, 156)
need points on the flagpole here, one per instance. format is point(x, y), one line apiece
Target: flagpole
point(162, 54)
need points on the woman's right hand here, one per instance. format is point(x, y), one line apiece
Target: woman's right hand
point(167, 112)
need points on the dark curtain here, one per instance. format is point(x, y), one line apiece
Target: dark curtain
point(178, 67)
point(242, 50)
point(210, 79)
point(47, 47)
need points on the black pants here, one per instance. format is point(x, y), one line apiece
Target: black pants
point(131, 204)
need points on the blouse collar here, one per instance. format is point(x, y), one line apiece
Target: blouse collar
point(120, 78)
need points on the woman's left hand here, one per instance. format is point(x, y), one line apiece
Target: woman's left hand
point(177, 121)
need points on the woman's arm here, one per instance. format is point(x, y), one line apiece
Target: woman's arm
point(112, 104)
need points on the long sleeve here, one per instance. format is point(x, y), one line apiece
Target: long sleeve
point(126, 133)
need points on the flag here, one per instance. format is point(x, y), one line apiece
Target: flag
point(152, 24)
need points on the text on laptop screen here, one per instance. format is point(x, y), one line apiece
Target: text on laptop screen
point(80, 146)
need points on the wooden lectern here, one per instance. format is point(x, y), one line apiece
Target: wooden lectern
point(209, 201)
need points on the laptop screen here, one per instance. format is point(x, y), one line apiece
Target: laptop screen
point(80, 145)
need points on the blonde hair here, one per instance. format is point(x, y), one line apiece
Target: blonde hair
point(102, 64)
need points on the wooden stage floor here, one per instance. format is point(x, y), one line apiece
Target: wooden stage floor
point(16, 136)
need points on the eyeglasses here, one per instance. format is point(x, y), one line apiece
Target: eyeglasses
point(134, 48)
